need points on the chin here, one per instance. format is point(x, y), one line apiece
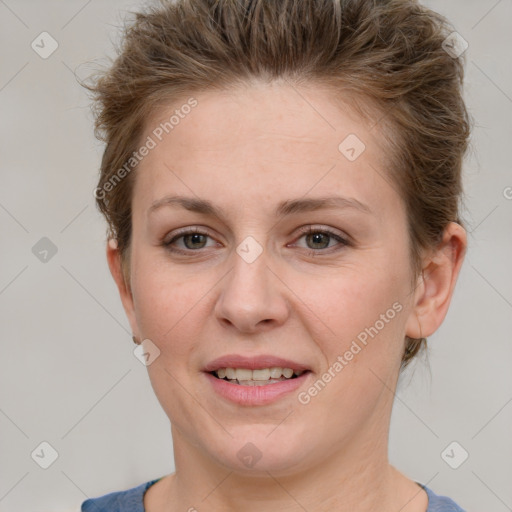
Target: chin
point(262, 449)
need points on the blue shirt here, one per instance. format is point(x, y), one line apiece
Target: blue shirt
point(132, 501)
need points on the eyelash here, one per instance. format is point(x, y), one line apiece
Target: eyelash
point(343, 242)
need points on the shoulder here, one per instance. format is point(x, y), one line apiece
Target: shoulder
point(130, 500)
point(438, 503)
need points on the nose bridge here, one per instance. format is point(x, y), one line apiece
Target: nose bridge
point(251, 295)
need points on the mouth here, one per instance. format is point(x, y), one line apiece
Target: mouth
point(255, 380)
point(258, 376)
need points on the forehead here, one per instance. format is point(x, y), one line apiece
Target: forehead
point(278, 114)
point(267, 140)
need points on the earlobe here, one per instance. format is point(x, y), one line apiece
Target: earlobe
point(437, 283)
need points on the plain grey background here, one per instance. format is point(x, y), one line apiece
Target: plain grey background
point(68, 375)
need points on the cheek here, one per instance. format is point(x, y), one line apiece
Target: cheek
point(362, 347)
point(167, 307)
point(168, 310)
point(363, 317)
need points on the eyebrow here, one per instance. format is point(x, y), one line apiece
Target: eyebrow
point(284, 208)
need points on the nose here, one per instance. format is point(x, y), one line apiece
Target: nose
point(253, 297)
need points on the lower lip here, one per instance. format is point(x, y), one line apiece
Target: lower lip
point(256, 395)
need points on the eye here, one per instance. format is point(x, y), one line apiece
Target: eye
point(318, 239)
point(192, 239)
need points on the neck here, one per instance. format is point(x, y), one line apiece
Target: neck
point(356, 476)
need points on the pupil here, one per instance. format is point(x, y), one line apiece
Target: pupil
point(194, 237)
point(316, 237)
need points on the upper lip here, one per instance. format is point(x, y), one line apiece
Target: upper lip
point(252, 362)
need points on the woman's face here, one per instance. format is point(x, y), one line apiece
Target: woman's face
point(337, 301)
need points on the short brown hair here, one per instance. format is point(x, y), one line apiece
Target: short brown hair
point(387, 52)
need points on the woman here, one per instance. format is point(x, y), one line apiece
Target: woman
point(281, 182)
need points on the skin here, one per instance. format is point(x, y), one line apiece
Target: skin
point(247, 150)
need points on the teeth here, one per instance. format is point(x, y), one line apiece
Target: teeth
point(287, 372)
point(260, 375)
point(276, 372)
point(256, 382)
point(243, 374)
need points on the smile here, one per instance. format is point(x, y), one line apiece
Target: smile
point(249, 391)
point(257, 377)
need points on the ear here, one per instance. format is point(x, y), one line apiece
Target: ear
point(116, 269)
point(437, 282)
